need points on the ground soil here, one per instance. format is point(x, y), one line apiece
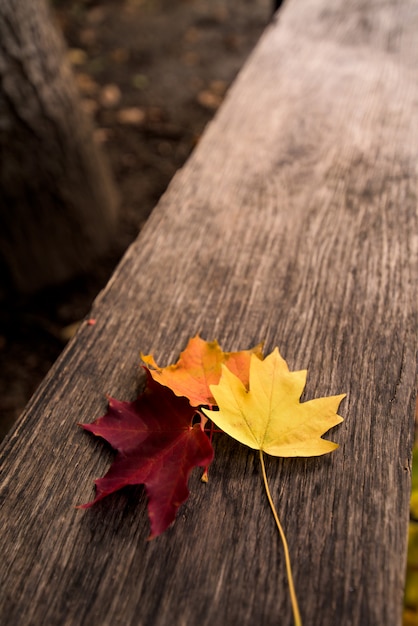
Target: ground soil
point(151, 74)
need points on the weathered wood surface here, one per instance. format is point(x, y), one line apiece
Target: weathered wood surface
point(293, 222)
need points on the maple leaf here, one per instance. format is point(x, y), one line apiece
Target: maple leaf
point(157, 446)
point(269, 416)
point(199, 367)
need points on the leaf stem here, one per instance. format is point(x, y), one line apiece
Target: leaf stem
point(296, 614)
point(204, 420)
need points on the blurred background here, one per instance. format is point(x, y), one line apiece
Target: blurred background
point(149, 75)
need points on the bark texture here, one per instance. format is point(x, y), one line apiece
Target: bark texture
point(57, 200)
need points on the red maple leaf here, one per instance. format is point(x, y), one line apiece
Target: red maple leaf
point(157, 446)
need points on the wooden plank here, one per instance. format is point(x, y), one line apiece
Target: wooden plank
point(293, 222)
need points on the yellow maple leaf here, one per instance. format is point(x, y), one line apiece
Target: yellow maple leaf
point(269, 416)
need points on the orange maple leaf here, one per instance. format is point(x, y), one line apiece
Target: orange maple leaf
point(199, 366)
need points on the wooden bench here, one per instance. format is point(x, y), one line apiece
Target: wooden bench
point(294, 223)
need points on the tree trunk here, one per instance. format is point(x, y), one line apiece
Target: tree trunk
point(57, 201)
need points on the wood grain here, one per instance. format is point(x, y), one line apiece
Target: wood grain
point(293, 222)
